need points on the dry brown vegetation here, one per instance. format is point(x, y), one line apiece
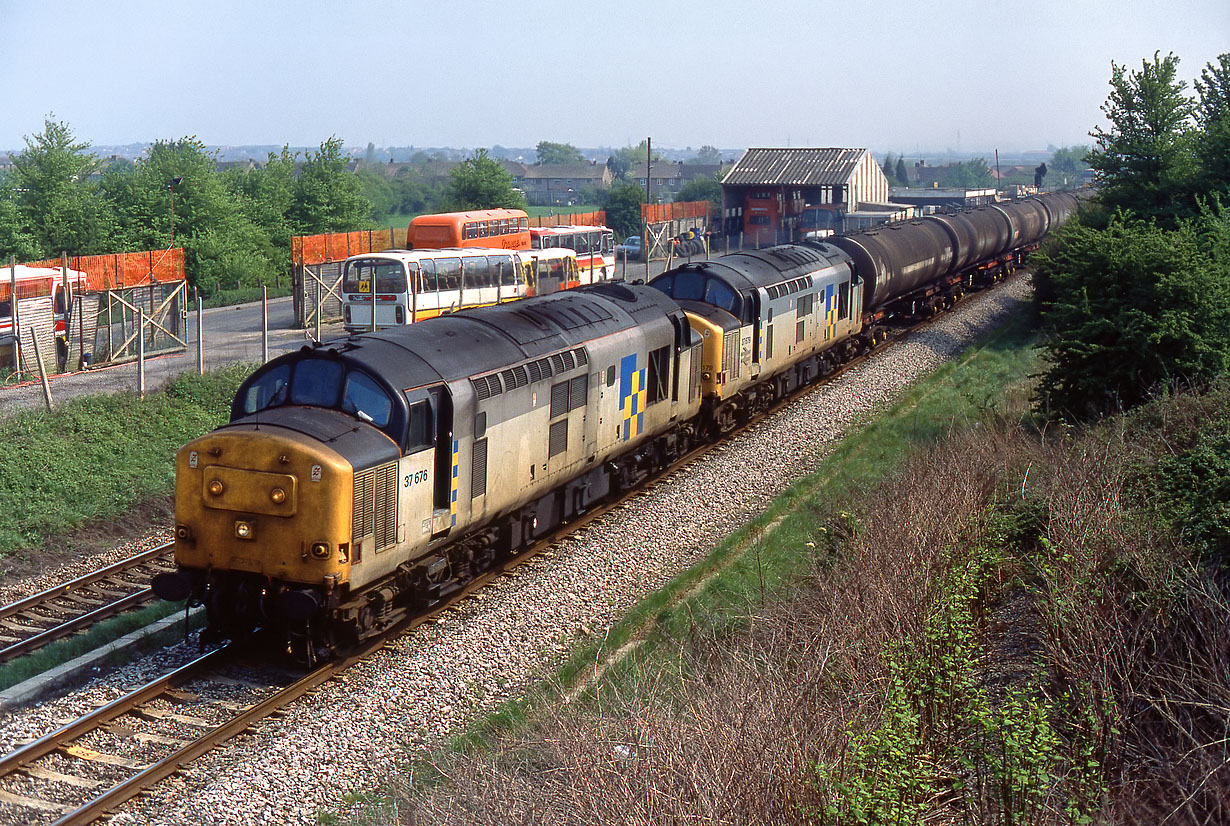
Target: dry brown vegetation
point(1095, 688)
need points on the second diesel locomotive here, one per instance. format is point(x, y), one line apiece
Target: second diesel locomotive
point(361, 479)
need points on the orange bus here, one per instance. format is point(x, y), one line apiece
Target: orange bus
point(507, 229)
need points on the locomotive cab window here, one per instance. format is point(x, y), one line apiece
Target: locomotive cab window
point(317, 382)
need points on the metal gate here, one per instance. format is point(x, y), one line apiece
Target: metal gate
point(107, 324)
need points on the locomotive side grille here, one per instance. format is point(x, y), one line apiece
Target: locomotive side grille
point(581, 357)
point(478, 470)
point(364, 503)
point(558, 362)
point(375, 505)
point(559, 399)
point(730, 354)
point(578, 390)
point(482, 390)
point(557, 440)
point(535, 371)
point(386, 506)
point(569, 361)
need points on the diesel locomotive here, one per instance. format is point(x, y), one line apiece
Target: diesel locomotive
point(361, 479)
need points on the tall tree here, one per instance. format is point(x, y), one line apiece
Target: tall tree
point(327, 197)
point(701, 188)
point(1213, 119)
point(708, 155)
point(267, 194)
point(56, 198)
point(888, 166)
point(16, 241)
point(1066, 165)
point(623, 207)
point(1144, 160)
point(903, 174)
point(481, 182)
point(971, 174)
point(558, 153)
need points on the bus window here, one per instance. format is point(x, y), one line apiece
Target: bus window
point(524, 224)
point(416, 285)
point(470, 230)
point(508, 270)
point(429, 285)
point(482, 229)
point(478, 272)
point(389, 276)
point(504, 226)
point(448, 273)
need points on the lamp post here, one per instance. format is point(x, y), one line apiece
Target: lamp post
point(174, 183)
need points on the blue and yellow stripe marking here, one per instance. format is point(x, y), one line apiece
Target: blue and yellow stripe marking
point(830, 312)
point(456, 474)
point(632, 391)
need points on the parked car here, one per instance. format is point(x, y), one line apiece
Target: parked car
point(629, 248)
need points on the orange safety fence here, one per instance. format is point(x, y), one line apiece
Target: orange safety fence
point(338, 246)
point(563, 219)
point(657, 213)
point(122, 269)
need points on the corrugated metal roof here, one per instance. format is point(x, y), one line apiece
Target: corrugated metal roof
point(801, 167)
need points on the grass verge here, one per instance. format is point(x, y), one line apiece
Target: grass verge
point(95, 457)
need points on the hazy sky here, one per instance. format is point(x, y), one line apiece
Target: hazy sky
point(893, 76)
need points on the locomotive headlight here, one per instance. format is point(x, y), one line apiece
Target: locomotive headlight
point(215, 487)
point(277, 495)
point(320, 550)
point(183, 533)
point(243, 529)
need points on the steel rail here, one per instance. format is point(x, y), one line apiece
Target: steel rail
point(89, 585)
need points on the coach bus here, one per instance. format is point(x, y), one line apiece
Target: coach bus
point(33, 283)
point(489, 228)
point(407, 286)
point(594, 246)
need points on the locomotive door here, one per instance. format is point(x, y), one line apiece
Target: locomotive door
point(444, 487)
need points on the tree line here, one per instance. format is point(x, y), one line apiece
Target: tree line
point(1134, 296)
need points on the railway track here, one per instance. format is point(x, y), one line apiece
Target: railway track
point(87, 768)
point(73, 606)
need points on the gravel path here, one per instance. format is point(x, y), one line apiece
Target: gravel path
point(353, 733)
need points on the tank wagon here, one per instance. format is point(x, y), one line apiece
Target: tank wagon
point(362, 479)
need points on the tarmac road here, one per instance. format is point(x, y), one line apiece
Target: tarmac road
point(231, 334)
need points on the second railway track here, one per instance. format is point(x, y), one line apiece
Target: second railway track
point(73, 606)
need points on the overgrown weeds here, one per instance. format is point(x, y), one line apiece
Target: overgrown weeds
point(1006, 633)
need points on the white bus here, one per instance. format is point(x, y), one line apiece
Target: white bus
point(406, 286)
point(594, 246)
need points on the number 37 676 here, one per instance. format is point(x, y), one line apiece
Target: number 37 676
point(417, 478)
